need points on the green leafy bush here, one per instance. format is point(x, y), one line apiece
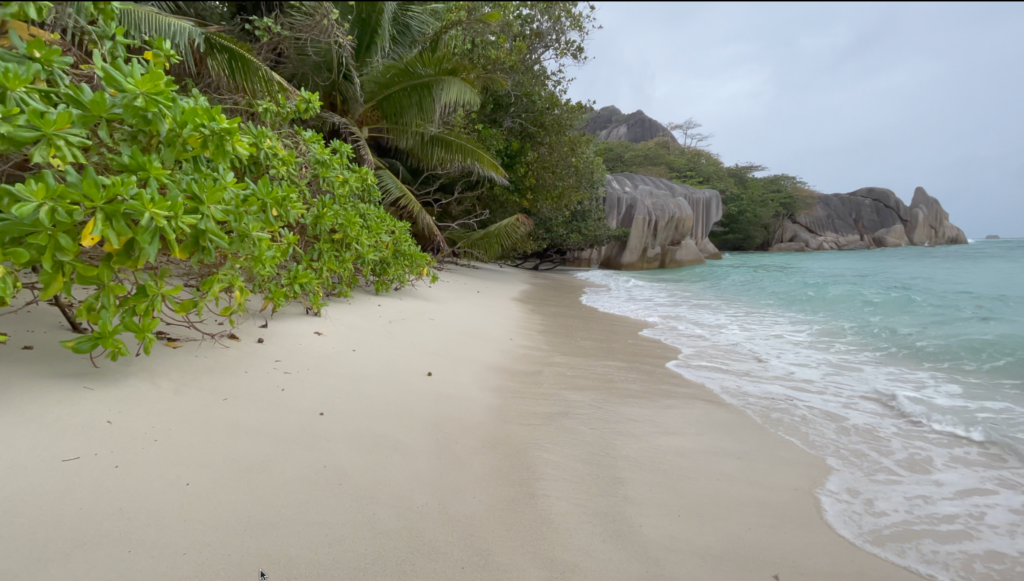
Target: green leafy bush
point(165, 209)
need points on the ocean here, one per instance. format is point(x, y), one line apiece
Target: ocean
point(902, 367)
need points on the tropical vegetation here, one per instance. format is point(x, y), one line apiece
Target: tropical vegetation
point(156, 207)
point(164, 163)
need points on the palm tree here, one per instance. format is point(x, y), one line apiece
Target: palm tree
point(389, 86)
point(387, 78)
point(200, 45)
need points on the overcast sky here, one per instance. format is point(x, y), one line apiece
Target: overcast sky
point(842, 95)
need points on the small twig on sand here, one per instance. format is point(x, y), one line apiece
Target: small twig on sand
point(89, 388)
point(70, 459)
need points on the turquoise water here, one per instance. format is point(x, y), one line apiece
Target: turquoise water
point(903, 368)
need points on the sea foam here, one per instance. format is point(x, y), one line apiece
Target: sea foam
point(925, 446)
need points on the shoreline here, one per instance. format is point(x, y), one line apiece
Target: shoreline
point(755, 492)
point(551, 441)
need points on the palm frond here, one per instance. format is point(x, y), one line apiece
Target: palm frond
point(70, 20)
point(141, 22)
point(173, 7)
point(226, 57)
point(350, 133)
point(395, 195)
point(320, 54)
point(385, 31)
point(234, 61)
point(422, 88)
point(394, 166)
point(495, 241)
point(443, 149)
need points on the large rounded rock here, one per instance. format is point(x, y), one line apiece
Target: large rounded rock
point(869, 218)
point(708, 250)
point(929, 223)
point(610, 124)
point(668, 224)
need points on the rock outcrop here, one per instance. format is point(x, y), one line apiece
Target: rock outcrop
point(669, 224)
point(992, 237)
point(610, 124)
point(868, 218)
point(929, 223)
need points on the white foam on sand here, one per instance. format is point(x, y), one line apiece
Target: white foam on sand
point(918, 478)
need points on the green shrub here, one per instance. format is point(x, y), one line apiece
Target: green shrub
point(163, 207)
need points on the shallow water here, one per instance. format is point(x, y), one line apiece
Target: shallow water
point(903, 368)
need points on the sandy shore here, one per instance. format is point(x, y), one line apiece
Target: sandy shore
point(550, 442)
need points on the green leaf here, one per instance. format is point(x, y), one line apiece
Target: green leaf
point(52, 281)
point(17, 255)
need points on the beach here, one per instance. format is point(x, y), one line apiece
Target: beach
point(490, 426)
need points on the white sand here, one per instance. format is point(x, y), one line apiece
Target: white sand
point(550, 443)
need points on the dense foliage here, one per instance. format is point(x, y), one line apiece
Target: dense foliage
point(126, 181)
point(158, 207)
point(459, 108)
point(753, 206)
point(530, 127)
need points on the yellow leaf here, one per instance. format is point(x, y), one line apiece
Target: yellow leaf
point(56, 163)
point(266, 304)
point(173, 344)
point(179, 253)
point(273, 211)
point(26, 32)
point(88, 238)
point(238, 297)
point(148, 55)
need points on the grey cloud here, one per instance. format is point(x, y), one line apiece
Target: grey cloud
point(843, 95)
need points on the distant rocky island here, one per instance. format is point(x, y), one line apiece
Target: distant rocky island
point(670, 222)
point(992, 237)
